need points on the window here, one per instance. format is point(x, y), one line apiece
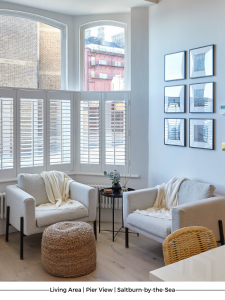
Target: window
point(105, 44)
point(31, 133)
point(102, 62)
point(115, 132)
point(36, 59)
point(103, 76)
point(89, 132)
point(92, 74)
point(117, 63)
point(60, 132)
point(6, 133)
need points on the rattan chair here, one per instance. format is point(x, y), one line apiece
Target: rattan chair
point(187, 242)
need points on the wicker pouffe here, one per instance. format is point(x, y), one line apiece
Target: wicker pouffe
point(68, 249)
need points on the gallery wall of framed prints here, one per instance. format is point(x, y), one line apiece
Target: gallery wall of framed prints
point(200, 95)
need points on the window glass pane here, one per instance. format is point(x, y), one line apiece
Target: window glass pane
point(6, 133)
point(115, 132)
point(31, 133)
point(30, 54)
point(104, 55)
point(89, 132)
point(60, 132)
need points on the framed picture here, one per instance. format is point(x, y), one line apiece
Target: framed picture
point(174, 66)
point(174, 132)
point(174, 99)
point(201, 133)
point(201, 98)
point(201, 62)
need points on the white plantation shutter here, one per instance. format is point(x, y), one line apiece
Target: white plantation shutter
point(6, 134)
point(31, 133)
point(115, 132)
point(89, 132)
point(60, 131)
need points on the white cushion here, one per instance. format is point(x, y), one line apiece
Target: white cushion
point(34, 185)
point(156, 226)
point(49, 217)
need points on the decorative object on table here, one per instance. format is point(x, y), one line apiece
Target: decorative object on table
point(174, 132)
point(108, 191)
point(201, 133)
point(68, 249)
point(115, 178)
point(174, 66)
point(201, 98)
point(124, 180)
point(174, 99)
point(201, 62)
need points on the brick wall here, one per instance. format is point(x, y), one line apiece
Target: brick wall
point(25, 47)
point(18, 52)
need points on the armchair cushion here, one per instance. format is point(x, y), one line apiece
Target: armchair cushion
point(49, 217)
point(156, 226)
point(191, 191)
point(34, 185)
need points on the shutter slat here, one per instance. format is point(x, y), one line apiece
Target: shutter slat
point(31, 133)
point(89, 132)
point(115, 132)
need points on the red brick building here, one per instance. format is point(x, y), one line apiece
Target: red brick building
point(104, 62)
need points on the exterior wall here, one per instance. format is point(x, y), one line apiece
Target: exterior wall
point(27, 46)
point(49, 57)
point(98, 84)
point(18, 52)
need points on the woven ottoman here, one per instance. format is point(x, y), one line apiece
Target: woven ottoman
point(68, 249)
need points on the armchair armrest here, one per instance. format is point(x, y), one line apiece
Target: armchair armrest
point(204, 212)
point(86, 195)
point(21, 205)
point(141, 199)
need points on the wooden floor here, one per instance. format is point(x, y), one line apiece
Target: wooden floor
point(114, 261)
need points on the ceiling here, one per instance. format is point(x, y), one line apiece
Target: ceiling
point(85, 7)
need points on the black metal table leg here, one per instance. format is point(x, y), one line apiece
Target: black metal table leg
point(221, 232)
point(113, 218)
point(122, 214)
point(21, 237)
point(99, 212)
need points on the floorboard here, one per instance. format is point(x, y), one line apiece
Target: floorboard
point(114, 261)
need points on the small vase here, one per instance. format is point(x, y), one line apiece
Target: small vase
point(116, 187)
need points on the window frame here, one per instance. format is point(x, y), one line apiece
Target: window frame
point(82, 29)
point(50, 22)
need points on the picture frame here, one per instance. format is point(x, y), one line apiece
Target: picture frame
point(174, 99)
point(201, 97)
point(174, 132)
point(201, 133)
point(175, 66)
point(201, 62)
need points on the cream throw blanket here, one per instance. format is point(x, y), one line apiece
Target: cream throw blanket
point(166, 199)
point(57, 186)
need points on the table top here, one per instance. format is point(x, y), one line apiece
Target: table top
point(207, 266)
point(115, 194)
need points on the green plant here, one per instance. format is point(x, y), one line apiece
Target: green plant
point(113, 176)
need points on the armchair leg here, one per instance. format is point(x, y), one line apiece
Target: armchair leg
point(126, 238)
point(95, 229)
point(21, 237)
point(221, 232)
point(7, 224)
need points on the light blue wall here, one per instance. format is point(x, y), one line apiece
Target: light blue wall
point(176, 25)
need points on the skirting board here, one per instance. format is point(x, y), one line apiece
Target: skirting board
point(2, 227)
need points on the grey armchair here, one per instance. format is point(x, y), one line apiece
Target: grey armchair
point(197, 206)
point(23, 198)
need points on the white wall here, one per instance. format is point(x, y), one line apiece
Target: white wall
point(176, 25)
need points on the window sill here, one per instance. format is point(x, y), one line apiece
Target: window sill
point(14, 179)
